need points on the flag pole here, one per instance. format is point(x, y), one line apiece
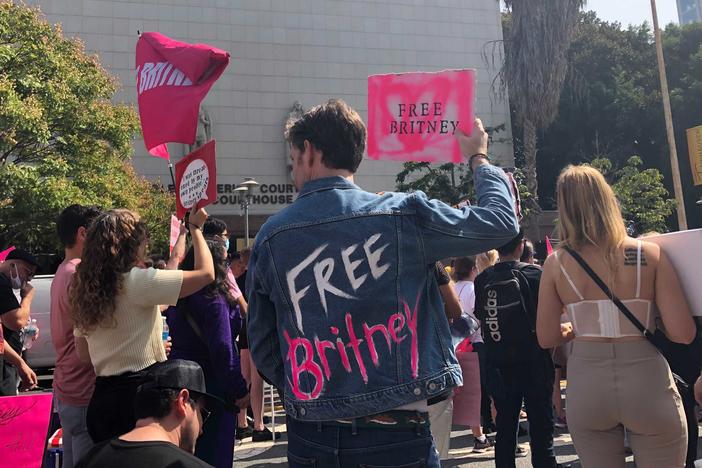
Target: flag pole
point(675, 168)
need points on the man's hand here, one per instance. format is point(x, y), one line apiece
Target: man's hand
point(243, 402)
point(27, 290)
point(28, 378)
point(476, 143)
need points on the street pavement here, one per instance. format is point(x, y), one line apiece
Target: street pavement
point(267, 454)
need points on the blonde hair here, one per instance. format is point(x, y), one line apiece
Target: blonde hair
point(485, 260)
point(588, 212)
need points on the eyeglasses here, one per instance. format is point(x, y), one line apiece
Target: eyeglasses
point(204, 413)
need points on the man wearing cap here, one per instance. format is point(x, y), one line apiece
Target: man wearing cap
point(15, 273)
point(171, 408)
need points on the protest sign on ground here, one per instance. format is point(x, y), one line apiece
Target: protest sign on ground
point(196, 179)
point(24, 423)
point(173, 78)
point(684, 249)
point(413, 116)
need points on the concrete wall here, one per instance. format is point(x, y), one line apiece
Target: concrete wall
point(285, 51)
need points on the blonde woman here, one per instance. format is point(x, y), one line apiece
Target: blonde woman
point(617, 380)
point(114, 306)
point(485, 260)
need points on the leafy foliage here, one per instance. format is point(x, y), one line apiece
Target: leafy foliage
point(538, 34)
point(611, 106)
point(61, 139)
point(641, 193)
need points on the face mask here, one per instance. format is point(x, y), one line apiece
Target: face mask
point(15, 279)
point(226, 245)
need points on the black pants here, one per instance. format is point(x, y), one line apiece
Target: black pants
point(111, 408)
point(688, 399)
point(485, 407)
point(533, 384)
point(8, 379)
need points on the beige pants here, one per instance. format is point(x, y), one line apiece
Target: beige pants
point(612, 386)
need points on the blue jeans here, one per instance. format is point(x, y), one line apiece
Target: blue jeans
point(313, 444)
point(533, 384)
point(76, 440)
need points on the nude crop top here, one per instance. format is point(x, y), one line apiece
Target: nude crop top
point(602, 318)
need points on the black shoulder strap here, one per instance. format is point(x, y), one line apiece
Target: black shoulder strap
point(191, 320)
point(624, 309)
point(523, 280)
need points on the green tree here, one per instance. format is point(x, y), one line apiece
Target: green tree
point(611, 107)
point(62, 140)
point(452, 183)
point(538, 34)
point(644, 200)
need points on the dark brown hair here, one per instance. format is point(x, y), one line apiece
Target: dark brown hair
point(112, 248)
point(333, 128)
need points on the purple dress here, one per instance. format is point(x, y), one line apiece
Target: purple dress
point(219, 324)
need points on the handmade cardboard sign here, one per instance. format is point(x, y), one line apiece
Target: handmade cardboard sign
point(694, 147)
point(413, 116)
point(196, 179)
point(24, 423)
point(175, 231)
point(684, 249)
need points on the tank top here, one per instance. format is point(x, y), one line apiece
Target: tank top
point(602, 318)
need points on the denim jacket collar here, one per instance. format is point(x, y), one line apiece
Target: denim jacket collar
point(326, 183)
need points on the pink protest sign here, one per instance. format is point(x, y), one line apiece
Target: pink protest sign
point(175, 230)
point(24, 422)
point(196, 179)
point(5, 253)
point(413, 116)
point(173, 78)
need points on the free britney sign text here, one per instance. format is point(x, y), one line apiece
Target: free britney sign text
point(413, 116)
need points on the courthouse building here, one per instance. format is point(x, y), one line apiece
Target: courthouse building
point(287, 56)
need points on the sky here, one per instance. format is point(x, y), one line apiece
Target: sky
point(634, 11)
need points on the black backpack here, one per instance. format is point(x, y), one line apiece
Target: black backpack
point(508, 316)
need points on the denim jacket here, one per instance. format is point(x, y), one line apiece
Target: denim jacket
point(344, 312)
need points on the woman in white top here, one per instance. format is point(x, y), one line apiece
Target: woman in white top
point(617, 380)
point(115, 311)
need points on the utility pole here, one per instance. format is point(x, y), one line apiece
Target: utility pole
point(675, 168)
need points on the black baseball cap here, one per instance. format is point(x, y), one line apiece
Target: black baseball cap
point(178, 374)
point(20, 254)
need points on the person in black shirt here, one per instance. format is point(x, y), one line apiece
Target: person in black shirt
point(506, 297)
point(171, 411)
point(15, 274)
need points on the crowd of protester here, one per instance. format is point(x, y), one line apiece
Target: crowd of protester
point(482, 343)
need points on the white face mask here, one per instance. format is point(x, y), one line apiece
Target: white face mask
point(15, 279)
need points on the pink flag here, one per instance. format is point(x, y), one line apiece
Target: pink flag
point(173, 78)
point(549, 248)
point(413, 116)
point(5, 253)
point(175, 231)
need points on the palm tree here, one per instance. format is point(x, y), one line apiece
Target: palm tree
point(534, 68)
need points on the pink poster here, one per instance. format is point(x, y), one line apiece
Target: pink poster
point(413, 116)
point(24, 422)
point(175, 231)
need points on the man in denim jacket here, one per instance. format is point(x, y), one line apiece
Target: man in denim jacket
point(345, 316)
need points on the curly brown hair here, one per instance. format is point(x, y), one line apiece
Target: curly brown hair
point(113, 246)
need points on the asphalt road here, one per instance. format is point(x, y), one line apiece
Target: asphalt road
point(274, 455)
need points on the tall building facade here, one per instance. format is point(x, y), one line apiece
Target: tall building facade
point(287, 56)
point(689, 11)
